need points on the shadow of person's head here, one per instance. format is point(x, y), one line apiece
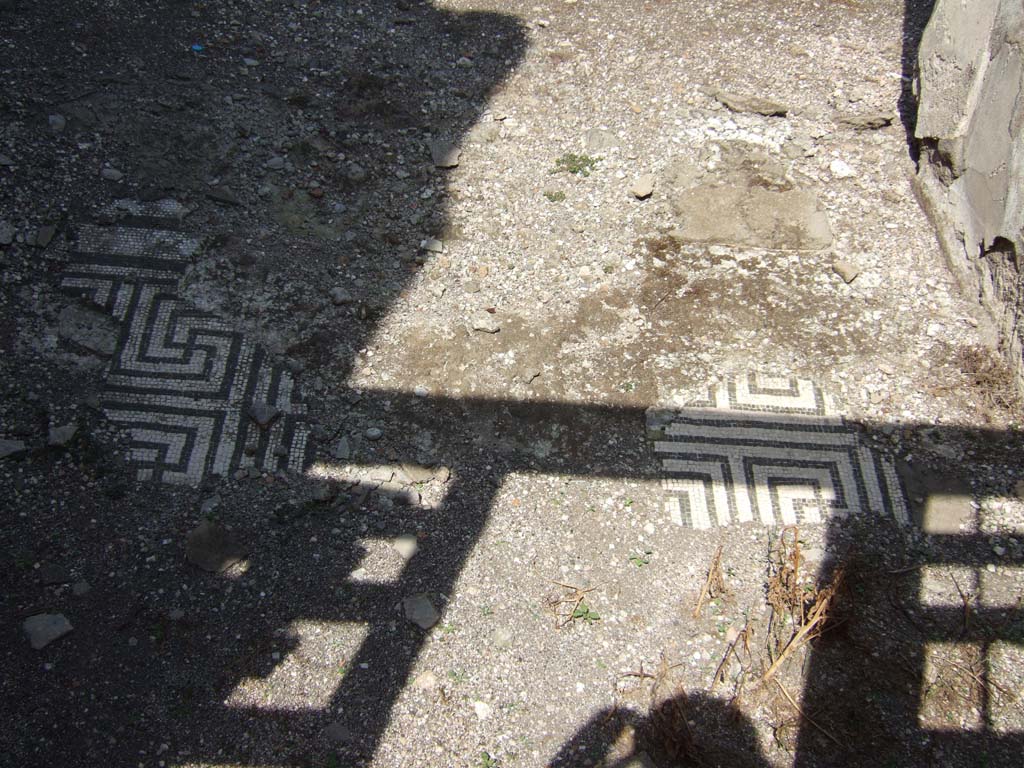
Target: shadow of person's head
point(685, 730)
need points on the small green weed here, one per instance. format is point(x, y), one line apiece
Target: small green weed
point(486, 611)
point(583, 612)
point(640, 559)
point(580, 165)
point(555, 195)
point(458, 676)
point(486, 761)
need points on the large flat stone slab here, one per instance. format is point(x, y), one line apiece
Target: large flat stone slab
point(752, 216)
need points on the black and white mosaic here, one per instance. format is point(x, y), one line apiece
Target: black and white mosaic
point(182, 382)
point(768, 450)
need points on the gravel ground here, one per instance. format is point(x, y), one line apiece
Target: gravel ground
point(488, 574)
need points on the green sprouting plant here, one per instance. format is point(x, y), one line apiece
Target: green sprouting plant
point(640, 559)
point(583, 612)
point(555, 195)
point(580, 165)
point(487, 761)
point(458, 676)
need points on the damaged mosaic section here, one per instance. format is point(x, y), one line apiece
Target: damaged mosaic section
point(768, 450)
point(196, 396)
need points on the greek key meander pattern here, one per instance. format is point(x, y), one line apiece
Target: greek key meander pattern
point(769, 450)
point(181, 381)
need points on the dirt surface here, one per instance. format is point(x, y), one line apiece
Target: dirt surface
point(478, 563)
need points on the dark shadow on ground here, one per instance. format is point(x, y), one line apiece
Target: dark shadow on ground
point(916, 14)
point(685, 730)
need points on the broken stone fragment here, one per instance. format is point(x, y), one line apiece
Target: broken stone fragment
point(89, 329)
point(222, 194)
point(738, 102)
point(485, 322)
point(444, 154)
point(11, 448)
point(42, 629)
point(845, 270)
point(406, 546)
point(263, 414)
point(59, 437)
point(340, 296)
point(45, 235)
point(642, 187)
point(420, 611)
point(341, 450)
point(869, 122)
point(212, 548)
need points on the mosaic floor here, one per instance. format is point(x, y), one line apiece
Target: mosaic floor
point(769, 450)
point(196, 396)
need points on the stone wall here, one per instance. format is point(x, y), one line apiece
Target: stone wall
point(970, 124)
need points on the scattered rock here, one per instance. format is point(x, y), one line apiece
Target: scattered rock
point(275, 163)
point(7, 233)
point(6, 161)
point(841, 169)
point(406, 546)
point(642, 187)
point(80, 588)
point(11, 448)
point(58, 123)
point(250, 62)
point(111, 174)
point(444, 154)
point(341, 450)
point(485, 322)
point(374, 433)
point(414, 473)
point(340, 296)
point(482, 710)
point(324, 492)
point(741, 103)
point(212, 548)
point(59, 437)
point(263, 413)
point(222, 194)
point(425, 682)
point(1017, 489)
point(845, 270)
point(89, 329)
point(420, 391)
point(43, 628)
point(432, 245)
point(45, 235)
point(420, 611)
point(869, 122)
point(209, 505)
